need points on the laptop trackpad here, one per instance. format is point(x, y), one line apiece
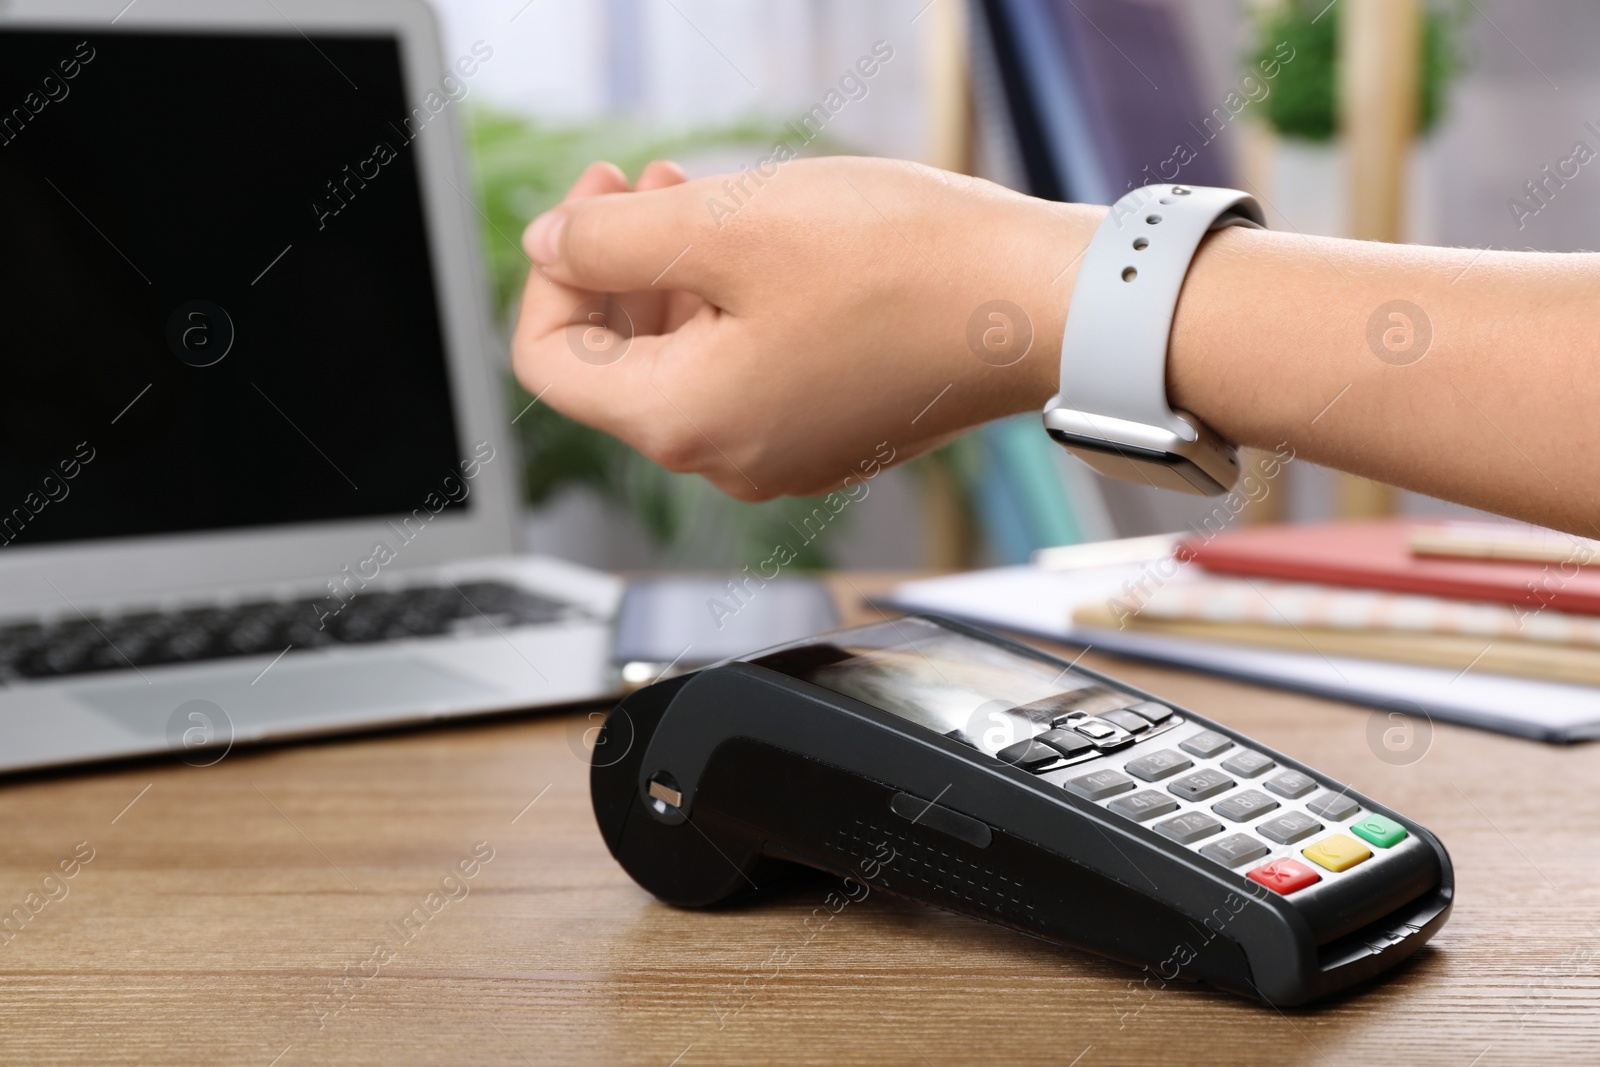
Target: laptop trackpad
point(292, 698)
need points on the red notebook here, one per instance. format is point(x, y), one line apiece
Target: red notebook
point(1376, 555)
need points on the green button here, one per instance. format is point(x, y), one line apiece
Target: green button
point(1385, 833)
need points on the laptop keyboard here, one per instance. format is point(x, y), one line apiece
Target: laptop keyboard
point(78, 646)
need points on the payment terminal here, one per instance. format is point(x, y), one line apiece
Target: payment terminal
point(950, 766)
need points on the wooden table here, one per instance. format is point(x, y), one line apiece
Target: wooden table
point(251, 913)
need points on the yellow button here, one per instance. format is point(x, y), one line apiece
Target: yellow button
point(1337, 853)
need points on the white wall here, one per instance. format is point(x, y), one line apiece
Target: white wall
point(686, 63)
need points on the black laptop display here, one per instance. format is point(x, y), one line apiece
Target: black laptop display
point(216, 308)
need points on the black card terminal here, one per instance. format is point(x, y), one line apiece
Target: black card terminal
point(948, 765)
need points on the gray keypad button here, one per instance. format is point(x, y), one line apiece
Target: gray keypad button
point(1028, 754)
point(1097, 785)
point(1205, 744)
point(1158, 765)
point(1244, 805)
point(1247, 764)
point(1291, 784)
point(1149, 709)
point(1189, 827)
point(1289, 827)
point(1106, 736)
point(1232, 851)
point(1335, 806)
point(1134, 724)
point(1066, 742)
point(1145, 805)
point(1201, 785)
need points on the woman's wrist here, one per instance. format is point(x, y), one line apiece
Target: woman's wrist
point(1209, 370)
point(1195, 361)
point(1051, 241)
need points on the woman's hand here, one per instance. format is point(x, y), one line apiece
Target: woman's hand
point(780, 332)
point(793, 328)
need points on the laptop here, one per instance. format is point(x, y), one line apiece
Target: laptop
point(256, 473)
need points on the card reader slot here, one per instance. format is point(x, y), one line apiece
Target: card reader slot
point(1374, 947)
point(1369, 893)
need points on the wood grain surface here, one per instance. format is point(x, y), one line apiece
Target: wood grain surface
point(255, 912)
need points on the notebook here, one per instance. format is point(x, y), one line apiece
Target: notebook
point(1262, 601)
point(1377, 554)
point(1035, 602)
point(1461, 635)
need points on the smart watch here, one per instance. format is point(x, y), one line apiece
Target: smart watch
point(1112, 410)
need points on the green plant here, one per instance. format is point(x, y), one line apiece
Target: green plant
point(522, 168)
point(1305, 101)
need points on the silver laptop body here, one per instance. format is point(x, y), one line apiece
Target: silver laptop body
point(256, 479)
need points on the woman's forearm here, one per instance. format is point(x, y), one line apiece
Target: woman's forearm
point(1463, 374)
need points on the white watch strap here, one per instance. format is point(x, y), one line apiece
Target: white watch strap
point(1114, 349)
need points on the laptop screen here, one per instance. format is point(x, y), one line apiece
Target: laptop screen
point(217, 307)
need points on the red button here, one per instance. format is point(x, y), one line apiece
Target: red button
point(1284, 876)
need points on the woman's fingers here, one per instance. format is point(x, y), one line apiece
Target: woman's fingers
point(661, 236)
point(659, 309)
point(594, 318)
point(658, 174)
point(547, 303)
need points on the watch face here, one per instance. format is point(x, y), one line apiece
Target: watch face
point(1177, 451)
point(1163, 470)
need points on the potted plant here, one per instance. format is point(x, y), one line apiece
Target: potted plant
point(1302, 108)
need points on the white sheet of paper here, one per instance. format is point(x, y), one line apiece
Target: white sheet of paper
point(1039, 602)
